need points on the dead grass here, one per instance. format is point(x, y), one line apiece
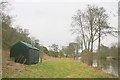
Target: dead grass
point(47, 58)
point(90, 67)
point(9, 67)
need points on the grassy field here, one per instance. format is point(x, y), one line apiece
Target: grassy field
point(58, 68)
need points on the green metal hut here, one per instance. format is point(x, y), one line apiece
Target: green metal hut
point(24, 53)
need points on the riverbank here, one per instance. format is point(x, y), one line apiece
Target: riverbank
point(56, 68)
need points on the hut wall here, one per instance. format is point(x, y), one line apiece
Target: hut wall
point(20, 53)
point(33, 56)
point(24, 54)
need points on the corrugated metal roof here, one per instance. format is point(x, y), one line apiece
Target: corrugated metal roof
point(26, 44)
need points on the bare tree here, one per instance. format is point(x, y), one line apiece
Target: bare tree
point(90, 25)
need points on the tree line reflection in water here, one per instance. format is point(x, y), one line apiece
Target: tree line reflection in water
point(108, 66)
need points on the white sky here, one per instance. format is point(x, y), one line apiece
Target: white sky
point(49, 20)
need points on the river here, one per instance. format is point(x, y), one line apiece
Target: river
point(108, 66)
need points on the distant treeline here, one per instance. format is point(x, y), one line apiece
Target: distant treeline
point(107, 52)
point(104, 52)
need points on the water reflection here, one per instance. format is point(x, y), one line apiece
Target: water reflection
point(94, 64)
point(108, 66)
point(111, 69)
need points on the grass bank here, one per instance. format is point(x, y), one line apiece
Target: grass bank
point(59, 68)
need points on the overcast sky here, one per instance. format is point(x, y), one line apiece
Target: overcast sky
point(49, 21)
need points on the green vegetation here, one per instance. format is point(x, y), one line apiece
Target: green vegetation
point(105, 51)
point(59, 68)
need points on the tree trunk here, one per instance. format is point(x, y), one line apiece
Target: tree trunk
point(84, 42)
point(89, 45)
point(91, 37)
point(92, 43)
point(83, 34)
point(99, 40)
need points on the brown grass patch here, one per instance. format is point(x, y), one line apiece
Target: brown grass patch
point(45, 57)
point(8, 67)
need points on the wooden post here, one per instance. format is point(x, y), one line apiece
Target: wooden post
point(40, 56)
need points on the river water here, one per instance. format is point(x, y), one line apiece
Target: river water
point(108, 66)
